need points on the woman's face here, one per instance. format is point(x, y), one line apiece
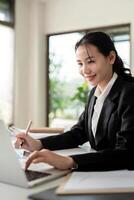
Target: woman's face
point(94, 66)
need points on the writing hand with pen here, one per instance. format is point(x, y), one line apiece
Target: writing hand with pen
point(25, 141)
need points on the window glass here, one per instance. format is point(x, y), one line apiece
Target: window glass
point(6, 59)
point(6, 73)
point(6, 10)
point(122, 44)
point(64, 78)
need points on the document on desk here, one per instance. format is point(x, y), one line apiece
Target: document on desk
point(41, 135)
point(37, 133)
point(98, 182)
point(74, 151)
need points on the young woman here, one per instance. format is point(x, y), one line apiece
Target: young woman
point(107, 121)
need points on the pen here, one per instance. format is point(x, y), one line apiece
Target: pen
point(28, 127)
point(27, 130)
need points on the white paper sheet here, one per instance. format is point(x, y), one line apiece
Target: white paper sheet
point(100, 180)
point(41, 135)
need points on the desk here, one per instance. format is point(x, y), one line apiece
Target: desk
point(50, 195)
point(9, 192)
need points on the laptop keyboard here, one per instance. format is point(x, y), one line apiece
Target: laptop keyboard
point(33, 175)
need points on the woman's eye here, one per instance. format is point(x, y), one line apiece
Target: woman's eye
point(79, 64)
point(90, 61)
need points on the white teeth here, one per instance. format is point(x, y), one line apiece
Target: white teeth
point(89, 76)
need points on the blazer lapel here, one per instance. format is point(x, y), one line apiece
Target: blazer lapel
point(103, 120)
point(90, 112)
point(107, 109)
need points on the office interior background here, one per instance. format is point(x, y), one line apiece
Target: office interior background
point(37, 47)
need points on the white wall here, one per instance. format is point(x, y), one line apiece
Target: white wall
point(29, 98)
point(69, 15)
point(64, 15)
point(35, 19)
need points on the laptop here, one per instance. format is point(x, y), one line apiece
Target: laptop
point(11, 171)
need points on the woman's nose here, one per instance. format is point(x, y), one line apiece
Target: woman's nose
point(86, 69)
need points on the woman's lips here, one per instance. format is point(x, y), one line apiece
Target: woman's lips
point(90, 77)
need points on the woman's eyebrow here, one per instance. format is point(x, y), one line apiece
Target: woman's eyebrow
point(78, 60)
point(87, 58)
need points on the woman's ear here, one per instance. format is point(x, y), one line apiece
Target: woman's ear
point(112, 57)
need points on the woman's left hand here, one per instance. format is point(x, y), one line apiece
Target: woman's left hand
point(51, 158)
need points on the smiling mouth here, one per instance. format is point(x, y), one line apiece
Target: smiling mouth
point(90, 77)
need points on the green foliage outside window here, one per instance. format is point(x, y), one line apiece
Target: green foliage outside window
point(64, 102)
point(81, 94)
point(58, 99)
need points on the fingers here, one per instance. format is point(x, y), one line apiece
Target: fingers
point(36, 157)
point(21, 136)
point(18, 143)
point(20, 139)
point(46, 156)
point(30, 159)
point(38, 160)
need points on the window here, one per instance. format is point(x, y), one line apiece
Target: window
point(7, 11)
point(67, 89)
point(6, 60)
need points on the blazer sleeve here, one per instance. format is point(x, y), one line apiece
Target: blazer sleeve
point(121, 156)
point(69, 139)
point(108, 159)
point(77, 135)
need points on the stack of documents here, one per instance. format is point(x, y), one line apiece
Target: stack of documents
point(98, 182)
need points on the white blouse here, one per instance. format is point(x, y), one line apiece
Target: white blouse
point(101, 96)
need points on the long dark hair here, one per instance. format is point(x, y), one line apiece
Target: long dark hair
point(105, 45)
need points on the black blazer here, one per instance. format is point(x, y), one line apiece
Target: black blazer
point(114, 140)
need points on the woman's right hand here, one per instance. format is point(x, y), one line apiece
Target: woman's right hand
point(25, 141)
